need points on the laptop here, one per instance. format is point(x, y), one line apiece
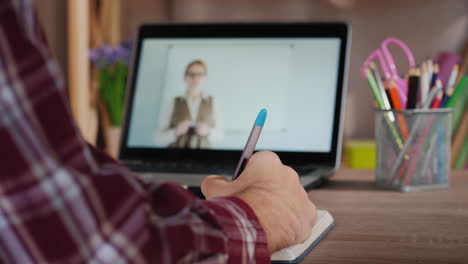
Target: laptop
point(194, 91)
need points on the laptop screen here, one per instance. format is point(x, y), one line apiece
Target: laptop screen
point(204, 93)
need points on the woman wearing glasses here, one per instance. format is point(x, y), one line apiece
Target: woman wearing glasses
point(193, 122)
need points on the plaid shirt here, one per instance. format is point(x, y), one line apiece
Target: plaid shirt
point(62, 201)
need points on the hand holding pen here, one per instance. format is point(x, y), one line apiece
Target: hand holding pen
point(272, 190)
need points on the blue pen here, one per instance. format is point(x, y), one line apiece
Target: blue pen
point(251, 142)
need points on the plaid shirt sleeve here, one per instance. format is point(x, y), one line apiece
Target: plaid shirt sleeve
point(62, 201)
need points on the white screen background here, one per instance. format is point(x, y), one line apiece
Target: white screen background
point(295, 79)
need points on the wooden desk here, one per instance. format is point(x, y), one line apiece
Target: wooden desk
point(377, 226)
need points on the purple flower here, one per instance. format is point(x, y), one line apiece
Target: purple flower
point(114, 57)
point(94, 55)
point(121, 53)
point(107, 55)
point(107, 52)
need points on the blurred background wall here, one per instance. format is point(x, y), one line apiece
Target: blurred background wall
point(427, 26)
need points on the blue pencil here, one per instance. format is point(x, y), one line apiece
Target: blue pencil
point(446, 98)
point(435, 75)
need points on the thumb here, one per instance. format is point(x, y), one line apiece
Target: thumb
point(215, 186)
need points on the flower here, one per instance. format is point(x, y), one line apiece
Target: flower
point(112, 64)
point(106, 55)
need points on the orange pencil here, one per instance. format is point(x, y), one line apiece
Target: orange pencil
point(397, 106)
point(394, 96)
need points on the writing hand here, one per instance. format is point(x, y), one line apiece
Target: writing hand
point(275, 194)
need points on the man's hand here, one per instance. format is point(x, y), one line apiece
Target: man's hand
point(275, 194)
point(182, 127)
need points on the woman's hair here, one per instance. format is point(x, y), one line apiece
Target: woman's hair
point(196, 62)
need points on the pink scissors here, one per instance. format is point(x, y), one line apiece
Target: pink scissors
point(388, 67)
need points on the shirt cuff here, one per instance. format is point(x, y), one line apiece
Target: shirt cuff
point(247, 238)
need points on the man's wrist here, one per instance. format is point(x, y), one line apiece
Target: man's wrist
point(277, 234)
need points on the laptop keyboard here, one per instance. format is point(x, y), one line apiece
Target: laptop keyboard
point(201, 167)
point(305, 169)
point(184, 167)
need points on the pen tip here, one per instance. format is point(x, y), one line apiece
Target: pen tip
point(261, 117)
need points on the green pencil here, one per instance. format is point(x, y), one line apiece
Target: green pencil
point(375, 88)
point(378, 97)
point(457, 92)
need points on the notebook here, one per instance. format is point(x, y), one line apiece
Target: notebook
point(296, 253)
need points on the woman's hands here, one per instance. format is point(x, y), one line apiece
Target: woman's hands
point(182, 127)
point(202, 129)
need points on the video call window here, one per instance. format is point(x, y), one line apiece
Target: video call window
point(205, 93)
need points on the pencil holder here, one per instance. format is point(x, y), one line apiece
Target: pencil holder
point(413, 149)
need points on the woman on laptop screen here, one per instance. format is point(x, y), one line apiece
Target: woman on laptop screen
point(192, 122)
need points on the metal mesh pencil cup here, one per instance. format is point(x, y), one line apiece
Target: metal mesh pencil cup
point(413, 149)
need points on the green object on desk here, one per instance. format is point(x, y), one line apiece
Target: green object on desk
point(459, 90)
point(360, 154)
point(458, 103)
point(462, 156)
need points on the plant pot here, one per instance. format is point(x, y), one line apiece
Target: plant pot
point(112, 140)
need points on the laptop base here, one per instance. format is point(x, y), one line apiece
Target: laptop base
point(310, 183)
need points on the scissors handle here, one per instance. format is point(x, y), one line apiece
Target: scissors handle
point(383, 65)
point(388, 66)
point(389, 58)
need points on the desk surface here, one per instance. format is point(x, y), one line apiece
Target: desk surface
point(377, 226)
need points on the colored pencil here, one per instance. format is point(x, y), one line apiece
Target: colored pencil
point(378, 98)
point(424, 83)
point(446, 97)
point(437, 100)
point(453, 77)
point(374, 88)
point(385, 101)
point(430, 97)
point(389, 96)
point(413, 88)
point(435, 74)
point(395, 99)
point(394, 96)
point(430, 71)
